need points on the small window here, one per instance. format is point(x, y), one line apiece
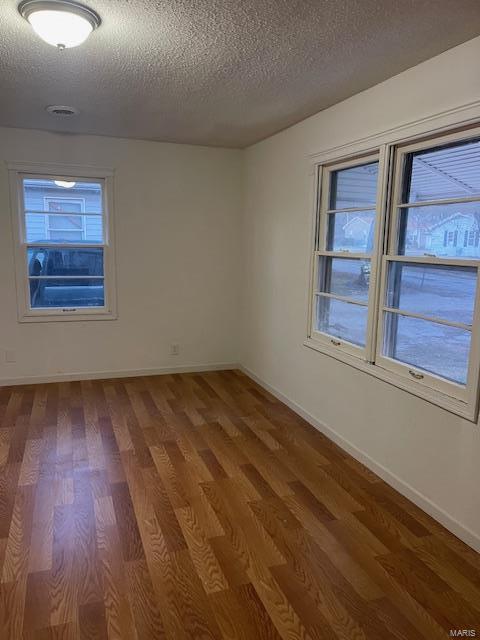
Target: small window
point(64, 247)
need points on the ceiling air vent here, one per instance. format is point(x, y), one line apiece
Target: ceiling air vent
point(62, 111)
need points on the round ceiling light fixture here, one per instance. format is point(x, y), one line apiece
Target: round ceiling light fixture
point(61, 23)
point(62, 110)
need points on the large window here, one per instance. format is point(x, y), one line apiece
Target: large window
point(64, 256)
point(395, 266)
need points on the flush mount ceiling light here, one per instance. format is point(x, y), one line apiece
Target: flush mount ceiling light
point(62, 111)
point(61, 23)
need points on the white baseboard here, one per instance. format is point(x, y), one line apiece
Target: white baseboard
point(468, 536)
point(126, 373)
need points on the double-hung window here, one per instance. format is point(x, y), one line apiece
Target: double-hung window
point(64, 244)
point(396, 266)
point(345, 259)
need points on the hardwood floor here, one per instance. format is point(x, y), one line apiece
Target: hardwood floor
point(198, 506)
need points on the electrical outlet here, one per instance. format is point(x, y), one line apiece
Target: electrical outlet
point(174, 349)
point(10, 355)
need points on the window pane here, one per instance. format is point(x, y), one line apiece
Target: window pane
point(451, 230)
point(351, 231)
point(437, 348)
point(63, 229)
point(45, 195)
point(74, 223)
point(65, 236)
point(344, 277)
point(354, 187)
point(451, 171)
point(67, 205)
point(341, 319)
point(50, 261)
point(66, 293)
point(441, 291)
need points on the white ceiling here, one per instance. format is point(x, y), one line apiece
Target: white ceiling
point(218, 72)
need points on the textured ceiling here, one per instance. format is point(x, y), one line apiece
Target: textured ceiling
point(218, 72)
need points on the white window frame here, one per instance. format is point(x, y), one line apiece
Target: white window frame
point(19, 171)
point(324, 212)
point(81, 215)
point(391, 148)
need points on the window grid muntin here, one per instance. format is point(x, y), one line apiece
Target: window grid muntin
point(333, 186)
point(390, 260)
point(347, 344)
point(422, 375)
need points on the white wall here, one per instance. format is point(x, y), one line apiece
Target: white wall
point(177, 248)
point(434, 452)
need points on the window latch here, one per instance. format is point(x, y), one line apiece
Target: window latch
point(414, 374)
point(335, 342)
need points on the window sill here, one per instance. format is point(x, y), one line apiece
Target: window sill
point(449, 403)
point(72, 317)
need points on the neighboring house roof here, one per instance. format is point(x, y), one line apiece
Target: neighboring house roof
point(448, 220)
point(356, 220)
point(425, 223)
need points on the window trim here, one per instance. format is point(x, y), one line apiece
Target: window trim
point(18, 171)
point(458, 399)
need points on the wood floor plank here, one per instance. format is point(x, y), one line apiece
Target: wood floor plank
point(198, 506)
point(146, 614)
point(37, 602)
point(203, 556)
point(126, 522)
point(15, 563)
point(92, 623)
